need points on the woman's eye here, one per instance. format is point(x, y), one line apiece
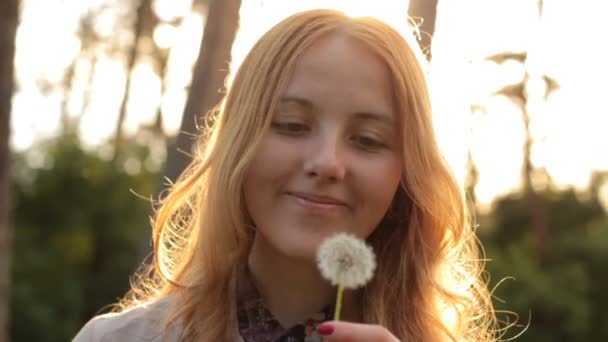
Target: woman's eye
point(291, 128)
point(368, 142)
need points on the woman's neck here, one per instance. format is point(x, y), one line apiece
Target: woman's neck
point(292, 289)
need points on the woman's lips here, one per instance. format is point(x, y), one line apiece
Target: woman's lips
point(315, 201)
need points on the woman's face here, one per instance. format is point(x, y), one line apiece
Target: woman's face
point(331, 160)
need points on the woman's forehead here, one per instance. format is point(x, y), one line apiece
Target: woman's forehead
point(337, 67)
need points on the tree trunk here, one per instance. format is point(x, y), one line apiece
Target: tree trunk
point(67, 85)
point(9, 13)
point(538, 211)
point(210, 72)
point(425, 11)
point(538, 214)
point(87, 97)
point(145, 21)
point(161, 57)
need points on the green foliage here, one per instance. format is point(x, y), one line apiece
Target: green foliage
point(559, 292)
point(77, 225)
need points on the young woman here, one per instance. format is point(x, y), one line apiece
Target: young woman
point(326, 128)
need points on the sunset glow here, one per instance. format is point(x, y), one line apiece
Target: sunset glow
point(564, 45)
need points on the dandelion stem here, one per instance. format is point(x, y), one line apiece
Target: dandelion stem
point(338, 303)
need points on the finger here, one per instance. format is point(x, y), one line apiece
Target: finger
point(354, 332)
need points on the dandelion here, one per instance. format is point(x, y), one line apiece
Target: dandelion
point(347, 262)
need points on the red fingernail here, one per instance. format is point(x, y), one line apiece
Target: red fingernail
point(325, 329)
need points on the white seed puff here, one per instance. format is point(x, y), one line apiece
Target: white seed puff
point(346, 261)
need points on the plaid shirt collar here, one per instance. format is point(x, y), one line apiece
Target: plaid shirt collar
point(257, 324)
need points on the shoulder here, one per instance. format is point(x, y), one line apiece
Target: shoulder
point(145, 322)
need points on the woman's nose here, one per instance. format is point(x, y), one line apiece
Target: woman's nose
point(326, 160)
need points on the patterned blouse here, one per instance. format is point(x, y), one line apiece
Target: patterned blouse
point(257, 324)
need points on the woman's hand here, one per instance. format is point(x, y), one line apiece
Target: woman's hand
point(354, 332)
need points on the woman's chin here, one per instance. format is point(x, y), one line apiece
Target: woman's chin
point(303, 247)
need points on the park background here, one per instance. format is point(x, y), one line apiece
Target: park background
point(94, 94)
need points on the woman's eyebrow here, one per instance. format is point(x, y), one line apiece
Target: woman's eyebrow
point(378, 117)
point(309, 106)
point(298, 101)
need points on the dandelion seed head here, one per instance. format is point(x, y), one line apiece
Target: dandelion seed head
point(346, 260)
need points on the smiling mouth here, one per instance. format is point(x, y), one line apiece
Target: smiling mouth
point(316, 202)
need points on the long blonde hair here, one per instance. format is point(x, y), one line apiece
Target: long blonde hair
point(428, 285)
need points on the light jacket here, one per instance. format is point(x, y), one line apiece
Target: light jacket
point(139, 324)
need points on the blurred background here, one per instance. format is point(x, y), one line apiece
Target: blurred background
point(102, 98)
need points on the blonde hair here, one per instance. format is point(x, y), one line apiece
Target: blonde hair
point(428, 286)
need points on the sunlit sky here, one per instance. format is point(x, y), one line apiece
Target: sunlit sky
point(569, 128)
